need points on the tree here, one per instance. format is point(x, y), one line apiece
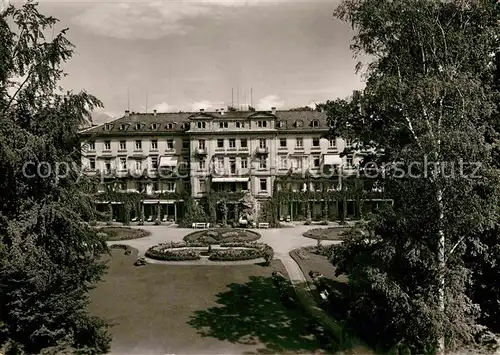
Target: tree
point(423, 120)
point(49, 258)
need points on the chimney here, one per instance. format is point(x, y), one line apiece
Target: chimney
point(202, 110)
point(127, 113)
point(221, 111)
point(273, 110)
point(154, 112)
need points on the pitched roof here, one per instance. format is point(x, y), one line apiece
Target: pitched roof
point(139, 123)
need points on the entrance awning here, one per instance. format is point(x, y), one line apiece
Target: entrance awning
point(231, 179)
point(332, 160)
point(168, 162)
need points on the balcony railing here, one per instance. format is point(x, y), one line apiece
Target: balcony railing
point(262, 150)
point(201, 151)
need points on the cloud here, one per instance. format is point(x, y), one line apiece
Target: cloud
point(100, 117)
point(163, 107)
point(150, 20)
point(269, 101)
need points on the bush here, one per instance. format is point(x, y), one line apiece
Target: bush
point(157, 222)
point(324, 223)
point(165, 254)
point(109, 223)
point(222, 235)
point(123, 233)
point(93, 223)
point(235, 255)
point(308, 222)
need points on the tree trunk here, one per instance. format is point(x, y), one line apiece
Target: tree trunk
point(442, 269)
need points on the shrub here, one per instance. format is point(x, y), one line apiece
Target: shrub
point(172, 255)
point(93, 223)
point(308, 222)
point(157, 222)
point(324, 223)
point(102, 235)
point(221, 235)
point(123, 233)
point(109, 223)
point(235, 255)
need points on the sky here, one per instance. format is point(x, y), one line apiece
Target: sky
point(186, 55)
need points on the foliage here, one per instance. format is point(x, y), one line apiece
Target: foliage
point(194, 213)
point(222, 235)
point(123, 233)
point(234, 255)
point(165, 254)
point(430, 102)
point(49, 258)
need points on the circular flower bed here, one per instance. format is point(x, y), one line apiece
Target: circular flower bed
point(181, 251)
point(122, 233)
point(222, 235)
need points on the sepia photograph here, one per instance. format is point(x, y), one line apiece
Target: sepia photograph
point(249, 177)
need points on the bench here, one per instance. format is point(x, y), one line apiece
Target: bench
point(263, 225)
point(201, 225)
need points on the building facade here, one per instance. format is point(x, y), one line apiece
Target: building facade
point(165, 158)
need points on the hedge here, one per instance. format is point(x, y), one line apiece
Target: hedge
point(172, 255)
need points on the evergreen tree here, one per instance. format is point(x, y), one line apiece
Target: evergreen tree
point(48, 255)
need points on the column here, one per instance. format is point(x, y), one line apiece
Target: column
point(175, 211)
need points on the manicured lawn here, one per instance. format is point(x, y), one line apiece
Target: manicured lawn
point(160, 309)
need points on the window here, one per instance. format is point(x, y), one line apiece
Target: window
point(315, 142)
point(232, 165)
point(263, 163)
point(156, 187)
point(262, 124)
point(244, 163)
point(262, 143)
point(332, 143)
point(243, 143)
point(154, 163)
point(138, 165)
point(220, 163)
point(263, 185)
point(349, 162)
point(202, 164)
point(107, 145)
point(170, 125)
point(315, 123)
point(348, 143)
point(123, 145)
point(107, 166)
point(122, 186)
point(298, 123)
point(107, 127)
point(170, 144)
point(123, 163)
point(138, 145)
point(283, 162)
point(316, 162)
point(282, 124)
point(203, 186)
point(91, 145)
point(240, 124)
point(220, 143)
point(282, 142)
point(154, 144)
point(185, 144)
point(232, 143)
point(154, 126)
point(92, 163)
point(223, 124)
point(140, 187)
point(137, 126)
point(170, 186)
point(300, 143)
point(298, 163)
point(201, 144)
point(123, 127)
point(201, 125)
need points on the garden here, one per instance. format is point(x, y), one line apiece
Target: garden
point(222, 235)
point(228, 251)
point(122, 233)
point(332, 233)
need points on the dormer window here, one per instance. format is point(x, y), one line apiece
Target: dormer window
point(282, 124)
point(315, 123)
point(107, 127)
point(201, 125)
point(170, 125)
point(223, 125)
point(240, 124)
point(299, 123)
point(155, 126)
point(262, 124)
point(137, 126)
point(123, 127)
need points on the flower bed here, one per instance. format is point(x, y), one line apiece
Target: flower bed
point(222, 235)
point(165, 254)
point(235, 254)
point(325, 233)
point(123, 233)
